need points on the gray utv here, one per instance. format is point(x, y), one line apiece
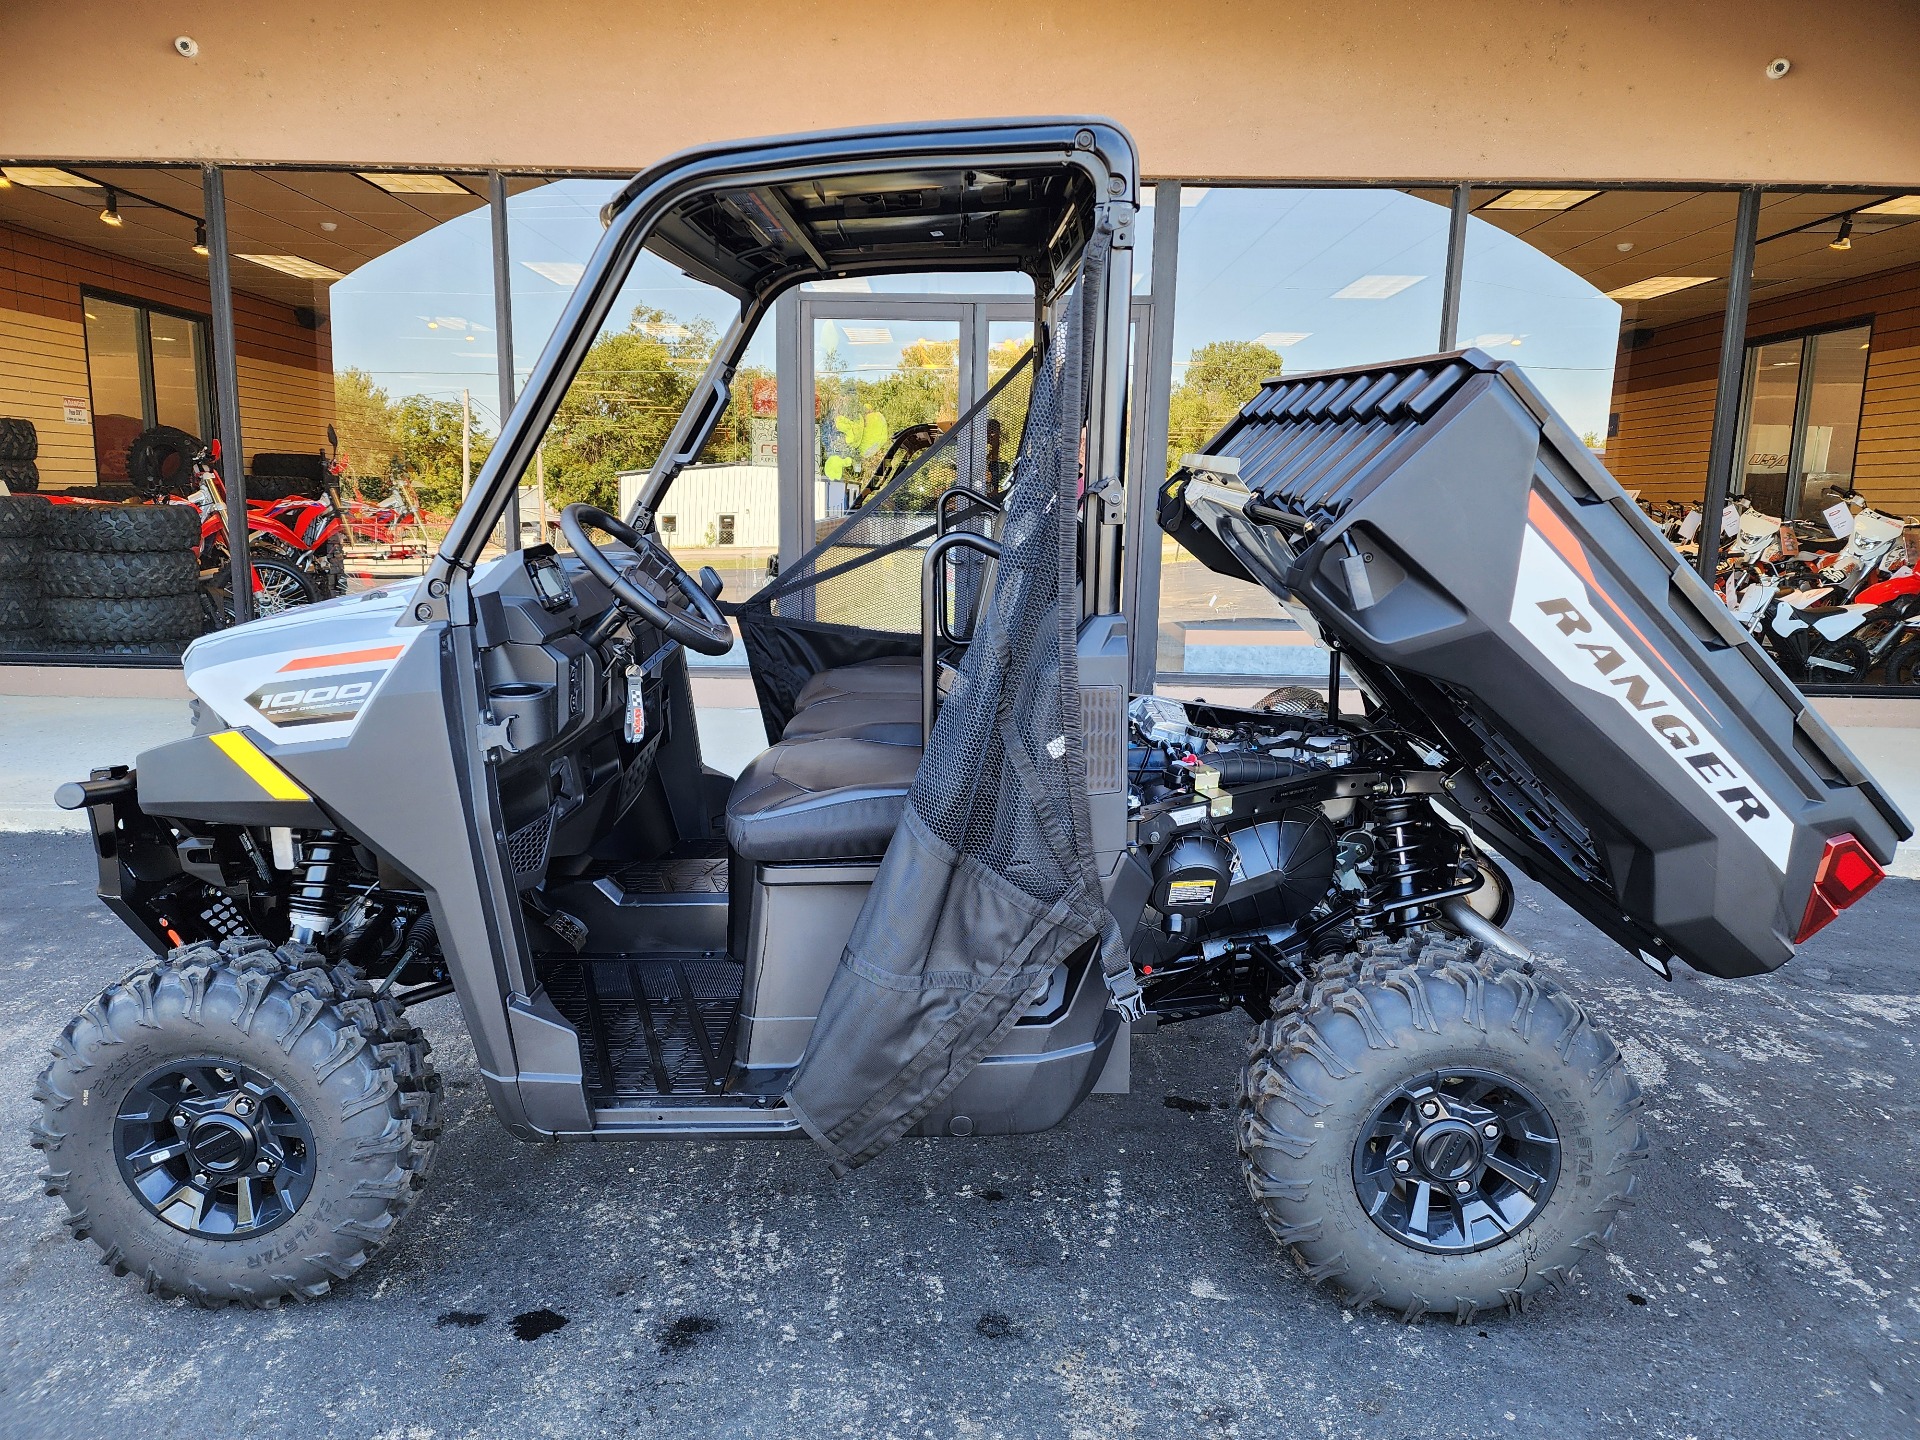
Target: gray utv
point(970, 868)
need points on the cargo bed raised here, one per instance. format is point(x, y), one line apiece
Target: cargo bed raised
point(1616, 734)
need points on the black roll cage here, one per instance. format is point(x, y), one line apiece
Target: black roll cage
point(1099, 150)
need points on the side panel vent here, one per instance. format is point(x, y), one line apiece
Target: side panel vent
point(1103, 718)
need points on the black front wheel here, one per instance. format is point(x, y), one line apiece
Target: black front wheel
point(1435, 1131)
point(237, 1123)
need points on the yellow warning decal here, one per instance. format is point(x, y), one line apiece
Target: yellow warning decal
point(1190, 892)
point(262, 771)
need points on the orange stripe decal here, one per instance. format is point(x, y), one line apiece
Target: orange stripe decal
point(1555, 532)
point(344, 657)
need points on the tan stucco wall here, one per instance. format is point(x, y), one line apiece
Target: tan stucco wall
point(1493, 89)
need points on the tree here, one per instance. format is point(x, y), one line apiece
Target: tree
point(426, 435)
point(618, 411)
point(1220, 378)
point(363, 417)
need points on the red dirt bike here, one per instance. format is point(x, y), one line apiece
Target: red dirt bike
point(302, 530)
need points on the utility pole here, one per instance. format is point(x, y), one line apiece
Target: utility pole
point(466, 442)
point(540, 492)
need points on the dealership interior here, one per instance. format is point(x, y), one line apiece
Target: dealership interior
point(371, 326)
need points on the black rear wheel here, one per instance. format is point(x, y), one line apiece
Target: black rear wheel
point(1903, 665)
point(1432, 1130)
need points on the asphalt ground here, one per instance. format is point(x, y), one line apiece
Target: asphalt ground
point(1108, 1278)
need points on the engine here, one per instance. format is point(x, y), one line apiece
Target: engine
point(1272, 836)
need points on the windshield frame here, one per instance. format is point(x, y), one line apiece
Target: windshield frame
point(1100, 149)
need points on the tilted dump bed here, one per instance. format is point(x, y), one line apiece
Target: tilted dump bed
point(1615, 732)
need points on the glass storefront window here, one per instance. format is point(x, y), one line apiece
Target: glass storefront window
point(103, 337)
point(1534, 307)
point(660, 334)
point(371, 300)
point(1272, 281)
point(1608, 300)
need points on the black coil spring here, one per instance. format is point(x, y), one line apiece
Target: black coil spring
point(325, 866)
point(1400, 835)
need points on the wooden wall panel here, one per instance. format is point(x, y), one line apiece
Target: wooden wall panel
point(1663, 391)
point(43, 361)
point(283, 407)
point(286, 370)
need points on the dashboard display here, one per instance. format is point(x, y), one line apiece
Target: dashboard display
point(549, 581)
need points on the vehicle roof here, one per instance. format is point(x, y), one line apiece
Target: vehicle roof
point(982, 195)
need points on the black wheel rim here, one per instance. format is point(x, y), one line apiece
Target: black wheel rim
point(214, 1148)
point(1456, 1160)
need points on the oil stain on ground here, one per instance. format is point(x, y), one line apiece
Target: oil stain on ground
point(684, 1332)
point(532, 1324)
point(461, 1319)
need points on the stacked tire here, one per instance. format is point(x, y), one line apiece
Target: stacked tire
point(19, 449)
point(23, 520)
point(280, 476)
point(122, 579)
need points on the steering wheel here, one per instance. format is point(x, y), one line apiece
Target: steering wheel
point(656, 589)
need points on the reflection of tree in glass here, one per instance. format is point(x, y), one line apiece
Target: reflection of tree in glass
point(363, 418)
point(427, 438)
point(1220, 378)
point(857, 418)
point(618, 411)
point(615, 416)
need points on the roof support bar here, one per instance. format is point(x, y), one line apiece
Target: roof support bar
point(1726, 395)
point(503, 335)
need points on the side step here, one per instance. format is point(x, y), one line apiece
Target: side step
point(652, 1027)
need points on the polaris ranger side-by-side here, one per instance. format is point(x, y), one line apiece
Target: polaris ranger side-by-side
point(970, 868)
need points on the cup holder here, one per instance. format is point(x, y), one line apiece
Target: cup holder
point(525, 707)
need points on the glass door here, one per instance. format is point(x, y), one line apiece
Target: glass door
point(882, 378)
point(1801, 420)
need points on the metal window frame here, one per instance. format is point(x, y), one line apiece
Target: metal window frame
point(143, 352)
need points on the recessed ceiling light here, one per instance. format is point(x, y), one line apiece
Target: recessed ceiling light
point(1658, 285)
point(1377, 287)
point(414, 184)
point(296, 266)
point(48, 176)
point(1899, 205)
point(1624, 246)
point(867, 334)
point(1540, 200)
point(560, 272)
point(1280, 339)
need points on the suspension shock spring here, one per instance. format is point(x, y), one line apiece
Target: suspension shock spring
point(1400, 872)
point(325, 866)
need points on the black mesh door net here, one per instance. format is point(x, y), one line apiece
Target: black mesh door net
point(989, 882)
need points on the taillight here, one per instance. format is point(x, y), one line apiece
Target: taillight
point(1846, 873)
